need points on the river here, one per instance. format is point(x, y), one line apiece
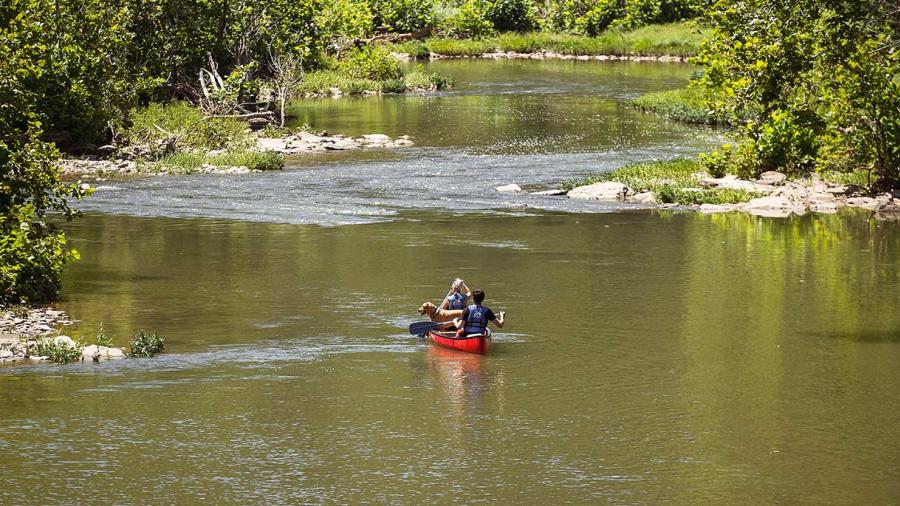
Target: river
point(649, 357)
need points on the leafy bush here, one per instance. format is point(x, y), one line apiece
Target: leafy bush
point(599, 17)
point(693, 196)
point(470, 21)
point(370, 62)
point(61, 352)
point(401, 16)
point(102, 339)
point(511, 15)
point(419, 79)
point(159, 123)
point(145, 344)
point(348, 18)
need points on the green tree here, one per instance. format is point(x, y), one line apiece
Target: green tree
point(32, 251)
point(814, 84)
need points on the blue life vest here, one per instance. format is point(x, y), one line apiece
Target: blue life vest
point(476, 322)
point(456, 301)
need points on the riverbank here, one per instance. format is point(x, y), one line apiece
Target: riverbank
point(266, 152)
point(684, 184)
point(662, 42)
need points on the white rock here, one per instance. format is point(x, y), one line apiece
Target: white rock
point(772, 178)
point(38, 358)
point(550, 193)
point(115, 353)
point(377, 138)
point(774, 207)
point(716, 208)
point(509, 188)
point(65, 341)
point(271, 144)
point(6, 353)
point(609, 190)
point(863, 202)
point(643, 198)
point(824, 207)
point(90, 353)
point(404, 143)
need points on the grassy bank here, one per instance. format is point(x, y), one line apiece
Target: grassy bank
point(673, 39)
point(686, 104)
point(324, 82)
point(674, 182)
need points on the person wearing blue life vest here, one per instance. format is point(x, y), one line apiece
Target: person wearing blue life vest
point(475, 318)
point(459, 295)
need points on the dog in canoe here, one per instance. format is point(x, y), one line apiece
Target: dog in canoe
point(439, 315)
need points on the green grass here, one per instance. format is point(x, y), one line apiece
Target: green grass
point(674, 39)
point(323, 81)
point(191, 161)
point(674, 181)
point(685, 104)
point(184, 122)
point(861, 178)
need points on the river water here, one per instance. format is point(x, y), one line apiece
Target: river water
point(649, 357)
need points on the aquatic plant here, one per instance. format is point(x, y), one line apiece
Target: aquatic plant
point(102, 339)
point(56, 351)
point(145, 344)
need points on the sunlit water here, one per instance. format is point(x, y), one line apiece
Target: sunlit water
point(649, 357)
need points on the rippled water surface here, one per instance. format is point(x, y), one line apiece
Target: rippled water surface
point(648, 358)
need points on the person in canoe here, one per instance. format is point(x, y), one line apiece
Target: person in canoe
point(475, 318)
point(459, 295)
point(452, 305)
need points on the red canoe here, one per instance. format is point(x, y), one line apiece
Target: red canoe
point(479, 344)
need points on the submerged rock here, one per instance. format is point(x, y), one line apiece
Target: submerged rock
point(773, 207)
point(716, 208)
point(509, 188)
point(549, 193)
point(607, 190)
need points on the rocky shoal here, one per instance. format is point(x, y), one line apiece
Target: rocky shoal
point(778, 197)
point(294, 144)
point(22, 329)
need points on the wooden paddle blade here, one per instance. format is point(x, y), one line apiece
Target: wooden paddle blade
point(419, 328)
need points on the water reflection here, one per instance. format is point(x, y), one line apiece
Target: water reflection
point(465, 379)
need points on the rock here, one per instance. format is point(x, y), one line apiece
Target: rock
point(824, 207)
point(772, 178)
point(863, 202)
point(643, 198)
point(271, 144)
point(773, 207)
point(376, 138)
point(38, 358)
point(609, 190)
point(115, 353)
point(65, 341)
point(6, 354)
point(550, 193)
point(716, 208)
point(730, 182)
point(889, 211)
point(509, 188)
point(90, 353)
point(403, 143)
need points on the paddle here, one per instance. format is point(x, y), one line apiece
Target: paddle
point(419, 328)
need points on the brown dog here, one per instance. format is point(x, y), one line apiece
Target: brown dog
point(439, 315)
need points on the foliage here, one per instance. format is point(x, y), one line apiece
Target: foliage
point(698, 196)
point(186, 126)
point(419, 79)
point(102, 339)
point(371, 62)
point(511, 15)
point(32, 251)
point(401, 16)
point(599, 17)
point(814, 82)
point(348, 18)
point(470, 21)
point(55, 352)
point(145, 344)
point(187, 162)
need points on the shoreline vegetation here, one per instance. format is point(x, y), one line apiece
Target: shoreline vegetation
point(33, 334)
point(660, 42)
point(686, 184)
